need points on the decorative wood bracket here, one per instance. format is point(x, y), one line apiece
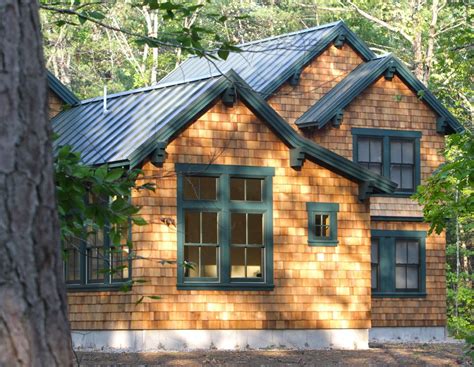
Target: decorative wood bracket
point(441, 125)
point(390, 72)
point(159, 154)
point(295, 78)
point(365, 189)
point(339, 41)
point(337, 119)
point(297, 158)
point(229, 97)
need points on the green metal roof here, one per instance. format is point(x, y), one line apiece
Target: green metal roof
point(332, 104)
point(63, 92)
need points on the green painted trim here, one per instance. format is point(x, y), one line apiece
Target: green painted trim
point(322, 208)
point(218, 169)
point(313, 151)
point(387, 240)
point(386, 136)
point(181, 120)
point(224, 206)
point(330, 36)
point(359, 80)
point(388, 218)
point(386, 132)
point(399, 295)
point(63, 92)
point(96, 287)
point(225, 287)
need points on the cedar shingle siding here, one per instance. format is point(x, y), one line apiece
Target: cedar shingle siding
point(315, 287)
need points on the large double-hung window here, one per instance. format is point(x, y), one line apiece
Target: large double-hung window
point(225, 238)
point(394, 154)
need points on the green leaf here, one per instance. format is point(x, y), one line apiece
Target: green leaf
point(139, 221)
point(114, 174)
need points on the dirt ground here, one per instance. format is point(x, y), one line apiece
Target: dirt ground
point(377, 355)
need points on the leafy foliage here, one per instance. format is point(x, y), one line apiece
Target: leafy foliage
point(91, 199)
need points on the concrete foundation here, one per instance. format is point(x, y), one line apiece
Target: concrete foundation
point(181, 340)
point(407, 334)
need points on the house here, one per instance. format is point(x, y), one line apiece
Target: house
point(58, 95)
point(284, 175)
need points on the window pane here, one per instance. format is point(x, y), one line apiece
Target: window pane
point(237, 259)
point(191, 188)
point(95, 264)
point(412, 277)
point(322, 225)
point(413, 252)
point(255, 229)
point(376, 150)
point(209, 227)
point(238, 228)
point(254, 189)
point(408, 148)
point(400, 277)
point(237, 189)
point(374, 251)
point(407, 177)
point(395, 173)
point(192, 227)
point(73, 259)
point(401, 252)
point(254, 262)
point(209, 262)
point(363, 149)
point(208, 188)
point(374, 277)
point(191, 255)
point(395, 152)
point(375, 167)
point(119, 256)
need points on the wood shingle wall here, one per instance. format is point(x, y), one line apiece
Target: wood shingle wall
point(315, 287)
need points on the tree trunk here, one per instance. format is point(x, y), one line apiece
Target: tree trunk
point(34, 328)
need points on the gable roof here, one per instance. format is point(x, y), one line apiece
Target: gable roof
point(268, 63)
point(333, 103)
point(143, 121)
point(63, 92)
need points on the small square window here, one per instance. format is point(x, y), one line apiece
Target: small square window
point(322, 224)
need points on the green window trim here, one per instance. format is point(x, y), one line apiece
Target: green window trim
point(386, 250)
point(224, 206)
point(329, 209)
point(387, 136)
point(105, 284)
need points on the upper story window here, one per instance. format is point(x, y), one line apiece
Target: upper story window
point(398, 263)
point(225, 238)
point(93, 262)
point(322, 224)
point(392, 153)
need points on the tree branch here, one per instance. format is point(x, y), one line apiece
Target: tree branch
point(380, 22)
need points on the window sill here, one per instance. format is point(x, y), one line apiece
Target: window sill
point(398, 294)
point(319, 243)
point(115, 287)
point(396, 194)
point(226, 287)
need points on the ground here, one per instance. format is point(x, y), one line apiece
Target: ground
point(377, 355)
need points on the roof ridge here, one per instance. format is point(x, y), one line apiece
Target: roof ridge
point(149, 88)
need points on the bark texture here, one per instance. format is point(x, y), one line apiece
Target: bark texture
point(34, 328)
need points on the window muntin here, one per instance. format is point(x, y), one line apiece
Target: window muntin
point(93, 262)
point(200, 188)
point(322, 224)
point(374, 263)
point(407, 265)
point(242, 255)
point(201, 247)
point(402, 163)
point(370, 153)
point(401, 264)
point(392, 153)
